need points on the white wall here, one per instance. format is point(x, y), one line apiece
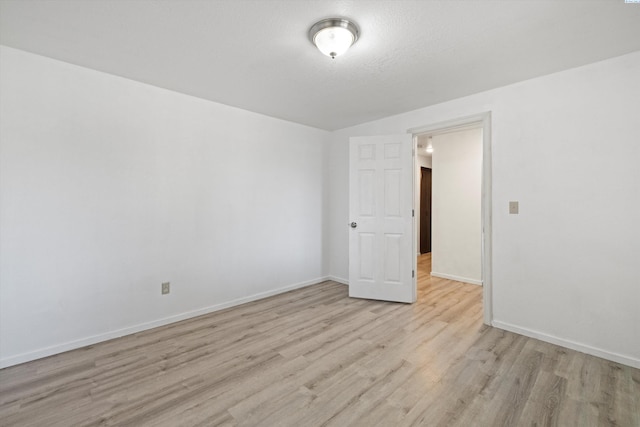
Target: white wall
point(109, 187)
point(566, 146)
point(424, 162)
point(456, 206)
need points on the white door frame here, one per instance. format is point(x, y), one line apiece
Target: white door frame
point(486, 248)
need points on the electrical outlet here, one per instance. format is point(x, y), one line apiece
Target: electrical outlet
point(166, 288)
point(513, 208)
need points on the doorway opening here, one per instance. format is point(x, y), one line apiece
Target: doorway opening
point(481, 123)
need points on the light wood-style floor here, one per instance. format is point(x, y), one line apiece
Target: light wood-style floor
point(314, 357)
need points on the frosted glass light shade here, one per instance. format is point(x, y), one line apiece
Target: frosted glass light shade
point(333, 41)
point(333, 36)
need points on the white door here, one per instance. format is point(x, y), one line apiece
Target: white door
point(382, 258)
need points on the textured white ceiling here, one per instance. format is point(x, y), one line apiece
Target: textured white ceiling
point(255, 54)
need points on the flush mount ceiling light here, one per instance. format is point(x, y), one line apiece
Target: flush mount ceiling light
point(333, 36)
point(430, 146)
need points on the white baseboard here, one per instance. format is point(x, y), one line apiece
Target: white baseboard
point(83, 342)
point(457, 278)
point(339, 280)
point(614, 357)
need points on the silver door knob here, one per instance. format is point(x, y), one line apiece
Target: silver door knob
point(354, 224)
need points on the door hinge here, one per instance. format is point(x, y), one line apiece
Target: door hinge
point(413, 212)
point(413, 273)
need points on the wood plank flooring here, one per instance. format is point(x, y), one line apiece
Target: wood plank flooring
point(314, 357)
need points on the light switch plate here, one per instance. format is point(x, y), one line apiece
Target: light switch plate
point(513, 208)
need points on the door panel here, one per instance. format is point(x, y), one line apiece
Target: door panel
point(366, 184)
point(366, 246)
point(393, 258)
point(381, 251)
